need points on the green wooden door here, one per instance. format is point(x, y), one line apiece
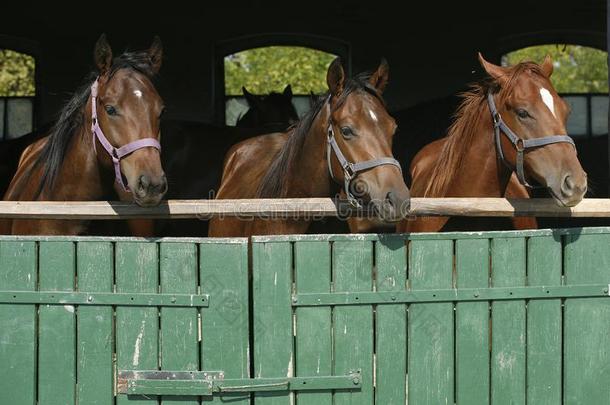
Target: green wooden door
point(485, 318)
point(459, 318)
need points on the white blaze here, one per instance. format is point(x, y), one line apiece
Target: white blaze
point(373, 116)
point(138, 93)
point(548, 100)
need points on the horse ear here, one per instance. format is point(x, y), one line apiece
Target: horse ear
point(156, 54)
point(547, 66)
point(288, 92)
point(379, 79)
point(495, 71)
point(335, 78)
point(250, 98)
point(102, 54)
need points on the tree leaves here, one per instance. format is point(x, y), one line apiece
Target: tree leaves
point(16, 74)
point(263, 70)
point(578, 69)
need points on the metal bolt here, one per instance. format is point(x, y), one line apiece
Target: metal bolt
point(356, 380)
point(294, 299)
point(393, 298)
point(476, 295)
point(90, 298)
point(173, 299)
point(606, 291)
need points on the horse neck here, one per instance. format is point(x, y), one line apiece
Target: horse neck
point(309, 176)
point(81, 176)
point(481, 173)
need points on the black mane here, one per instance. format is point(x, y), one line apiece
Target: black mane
point(72, 117)
point(273, 185)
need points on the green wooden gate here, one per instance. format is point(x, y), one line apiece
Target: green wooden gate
point(485, 318)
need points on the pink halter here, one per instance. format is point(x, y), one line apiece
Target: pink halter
point(115, 153)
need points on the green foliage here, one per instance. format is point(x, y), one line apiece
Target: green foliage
point(16, 74)
point(263, 70)
point(578, 69)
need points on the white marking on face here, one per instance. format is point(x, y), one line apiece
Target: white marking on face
point(138, 93)
point(548, 100)
point(373, 115)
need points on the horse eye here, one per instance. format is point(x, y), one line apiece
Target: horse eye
point(110, 110)
point(347, 132)
point(522, 113)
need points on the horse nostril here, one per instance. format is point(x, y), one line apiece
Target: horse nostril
point(567, 186)
point(143, 183)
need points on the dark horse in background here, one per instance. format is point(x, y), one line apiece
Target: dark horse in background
point(344, 144)
point(268, 110)
point(468, 163)
point(194, 153)
point(105, 144)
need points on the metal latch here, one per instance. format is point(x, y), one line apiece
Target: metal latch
point(207, 383)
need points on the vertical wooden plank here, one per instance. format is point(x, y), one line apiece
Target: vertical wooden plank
point(391, 325)
point(179, 326)
point(352, 263)
point(225, 324)
point(56, 326)
point(18, 325)
point(508, 323)
point(472, 324)
point(587, 322)
point(137, 270)
point(273, 335)
point(94, 268)
point(430, 363)
point(313, 330)
point(544, 327)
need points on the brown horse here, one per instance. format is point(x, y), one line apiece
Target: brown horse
point(106, 141)
point(513, 122)
point(310, 158)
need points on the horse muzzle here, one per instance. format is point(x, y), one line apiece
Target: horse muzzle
point(149, 190)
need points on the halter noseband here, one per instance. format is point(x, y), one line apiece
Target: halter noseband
point(115, 153)
point(351, 170)
point(521, 145)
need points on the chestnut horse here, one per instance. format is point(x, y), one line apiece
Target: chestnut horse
point(269, 110)
point(513, 122)
point(105, 141)
point(345, 139)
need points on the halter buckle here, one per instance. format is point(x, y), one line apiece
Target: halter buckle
point(519, 145)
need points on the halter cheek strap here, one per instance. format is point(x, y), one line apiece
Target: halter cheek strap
point(351, 170)
point(115, 153)
point(521, 145)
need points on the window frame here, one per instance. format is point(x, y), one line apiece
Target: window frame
point(31, 48)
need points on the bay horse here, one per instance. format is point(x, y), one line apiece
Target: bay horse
point(105, 142)
point(268, 110)
point(310, 160)
point(512, 122)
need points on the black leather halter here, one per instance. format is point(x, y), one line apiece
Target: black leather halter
point(351, 170)
point(520, 144)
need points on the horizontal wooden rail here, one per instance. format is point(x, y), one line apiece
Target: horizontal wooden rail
point(299, 207)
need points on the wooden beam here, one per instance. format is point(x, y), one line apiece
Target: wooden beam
point(302, 207)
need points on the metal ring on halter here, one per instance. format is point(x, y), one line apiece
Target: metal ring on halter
point(521, 145)
point(115, 153)
point(351, 170)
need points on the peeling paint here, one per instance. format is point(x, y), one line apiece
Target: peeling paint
point(136, 351)
point(69, 308)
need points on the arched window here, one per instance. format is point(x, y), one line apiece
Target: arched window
point(265, 63)
point(580, 76)
point(17, 92)
point(271, 69)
